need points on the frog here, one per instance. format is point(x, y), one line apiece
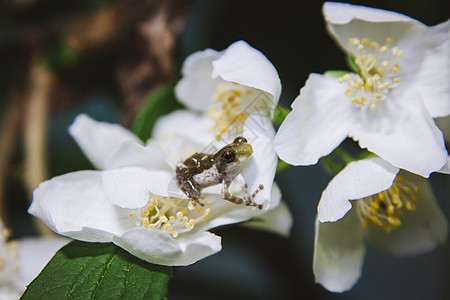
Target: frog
point(201, 170)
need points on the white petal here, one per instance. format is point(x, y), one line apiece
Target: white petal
point(98, 139)
point(426, 63)
point(259, 132)
point(182, 133)
point(247, 66)
point(131, 154)
point(319, 122)
point(345, 21)
point(197, 88)
point(224, 212)
point(278, 220)
point(446, 168)
point(357, 180)
point(131, 187)
point(414, 143)
point(75, 205)
point(339, 253)
point(432, 77)
point(342, 13)
point(10, 293)
point(444, 125)
point(158, 247)
point(421, 230)
point(34, 254)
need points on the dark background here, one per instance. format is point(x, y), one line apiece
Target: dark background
point(252, 264)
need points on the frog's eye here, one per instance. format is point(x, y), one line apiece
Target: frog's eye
point(240, 139)
point(228, 156)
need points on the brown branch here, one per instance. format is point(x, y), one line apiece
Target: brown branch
point(35, 130)
point(151, 63)
point(9, 132)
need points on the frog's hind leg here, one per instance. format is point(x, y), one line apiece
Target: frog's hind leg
point(252, 196)
point(247, 200)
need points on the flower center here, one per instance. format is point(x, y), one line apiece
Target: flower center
point(229, 109)
point(378, 72)
point(173, 215)
point(385, 209)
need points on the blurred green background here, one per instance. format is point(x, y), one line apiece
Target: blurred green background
point(103, 58)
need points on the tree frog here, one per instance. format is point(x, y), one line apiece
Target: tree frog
point(202, 170)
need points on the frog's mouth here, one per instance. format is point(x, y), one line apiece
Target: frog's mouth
point(244, 151)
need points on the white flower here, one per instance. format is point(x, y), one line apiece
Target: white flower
point(388, 106)
point(370, 199)
point(33, 254)
point(8, 266)
point(134, 202)
point(22, 260)
point(229, 85)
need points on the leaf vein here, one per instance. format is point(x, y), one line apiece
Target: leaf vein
point(113, 257)
point(127, 274)
point(72, 283)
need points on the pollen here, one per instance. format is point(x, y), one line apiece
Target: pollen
point(385, 209)
point(378, 72)
point(232, 104)
point(173, 216)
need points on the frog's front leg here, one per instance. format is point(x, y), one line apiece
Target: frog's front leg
point(194, 195)
point(247, 200)
point(192, 190)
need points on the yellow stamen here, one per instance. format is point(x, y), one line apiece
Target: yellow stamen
point(231, 106)
point(385, 208)
point(172, 215)
point(377, 69)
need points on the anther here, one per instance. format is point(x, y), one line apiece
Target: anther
point(385, 208)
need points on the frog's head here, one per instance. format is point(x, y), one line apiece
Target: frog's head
point(232, 158)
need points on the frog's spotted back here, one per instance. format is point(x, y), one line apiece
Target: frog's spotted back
point(202, 170)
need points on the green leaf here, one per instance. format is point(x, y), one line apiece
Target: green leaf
point(335, 73)
point(162, 101)
point(280, 114)
point(82, 270)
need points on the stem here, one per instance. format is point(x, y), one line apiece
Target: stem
point(280, 114)
point(330, 165)
point(282, 165)
point(343, 155)
point(333, 166)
